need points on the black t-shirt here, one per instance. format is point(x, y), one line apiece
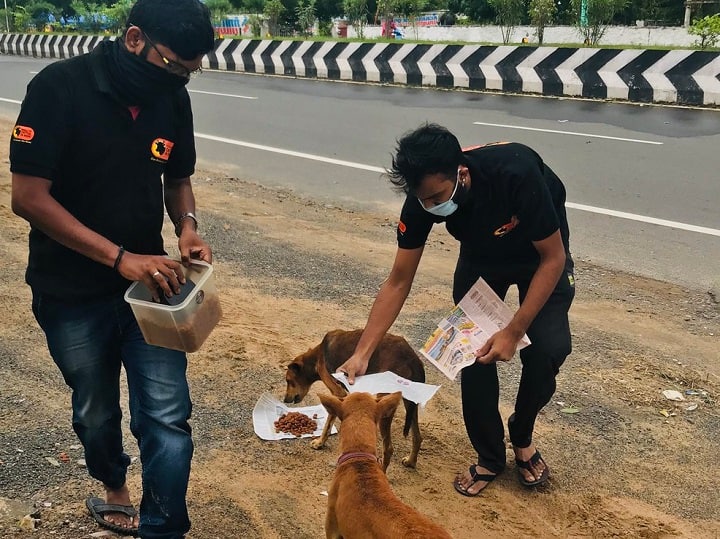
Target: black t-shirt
point(514, 199)
point(106, 168)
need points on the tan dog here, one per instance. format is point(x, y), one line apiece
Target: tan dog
point(392, 354)
point(361, 503)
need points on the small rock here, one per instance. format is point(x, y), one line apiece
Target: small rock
point(28, 523)
point(671, 394)
point(52, 461)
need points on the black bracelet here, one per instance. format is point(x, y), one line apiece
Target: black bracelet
point(121, 252)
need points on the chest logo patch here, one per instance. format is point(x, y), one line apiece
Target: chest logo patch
point(161, 148)
point(23, 133)
point(507, 227)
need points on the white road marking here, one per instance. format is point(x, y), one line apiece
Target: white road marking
point(292, 153)
point(371, 168)
point(639, 141)
point(221, 95)
point(10, 100)
point(644, 219)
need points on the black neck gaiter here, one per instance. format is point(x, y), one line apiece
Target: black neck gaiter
point(135, 80)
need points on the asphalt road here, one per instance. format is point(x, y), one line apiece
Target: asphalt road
point(643, 182)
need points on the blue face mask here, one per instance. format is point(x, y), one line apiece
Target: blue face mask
point(448, 207)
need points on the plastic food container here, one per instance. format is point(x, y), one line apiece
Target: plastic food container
point(186, 322)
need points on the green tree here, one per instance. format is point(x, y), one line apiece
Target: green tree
point(218, 10)
point(356, 12)
point(509, 14)
point(92, 17)
point(253, 6)
point(542, 13)
point(305, 12)
point(255, 21)
point(410, 9)
point(326, 10)
point(599, 15)
point(708, 31)
point(272, 10)
point(118, 14)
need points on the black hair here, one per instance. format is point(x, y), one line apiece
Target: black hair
point(429, 149)
point(182, 25)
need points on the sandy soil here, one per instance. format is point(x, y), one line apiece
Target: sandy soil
point(298, 268)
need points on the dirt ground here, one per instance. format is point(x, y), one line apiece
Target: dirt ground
point(628, 463)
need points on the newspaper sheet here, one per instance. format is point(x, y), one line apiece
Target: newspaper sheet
point(466, 328)
point(268, 409)
point(389, 382)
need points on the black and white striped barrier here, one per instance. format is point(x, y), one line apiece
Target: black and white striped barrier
point(649, 76)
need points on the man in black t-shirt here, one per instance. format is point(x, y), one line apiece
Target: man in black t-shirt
point(507, 209)
point(102, 142)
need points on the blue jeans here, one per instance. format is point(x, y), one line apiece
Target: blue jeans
point(89, 342)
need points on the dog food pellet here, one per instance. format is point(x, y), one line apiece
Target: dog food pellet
point(295, 423)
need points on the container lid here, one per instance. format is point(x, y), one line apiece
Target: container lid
point(195, 277)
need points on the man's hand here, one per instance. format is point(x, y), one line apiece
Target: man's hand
point(500, 347)
point(191, 245)
point(160, 274)
point(355, 366)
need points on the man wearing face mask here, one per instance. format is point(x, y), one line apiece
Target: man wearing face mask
point(102, 142)
point(507, 209)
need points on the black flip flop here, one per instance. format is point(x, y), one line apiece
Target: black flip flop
point(475, 477)
point(98, 508)
point(526, 465)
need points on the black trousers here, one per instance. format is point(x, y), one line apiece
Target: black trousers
point(551, 344)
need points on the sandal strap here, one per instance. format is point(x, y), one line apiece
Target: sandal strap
point(525, 464)
point(103, 508)
point(480, 476)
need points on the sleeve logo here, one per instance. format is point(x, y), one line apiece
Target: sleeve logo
point(23, 133)
point(507, 227)
point(161, 148)
point(401, 227)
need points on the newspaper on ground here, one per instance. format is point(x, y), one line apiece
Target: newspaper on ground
point(468, 326)
point(268, 409)
point(389, 382)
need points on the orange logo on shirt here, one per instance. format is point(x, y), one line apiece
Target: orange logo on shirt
point(23, 133)
point(401, 227)
point(161, 148)
point(500, 232)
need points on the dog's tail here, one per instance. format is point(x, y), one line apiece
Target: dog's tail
point(411, 413)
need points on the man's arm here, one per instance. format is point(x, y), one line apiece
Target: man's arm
point(31, 200)
point(179, 201)
point(502, 345)
point(388, 303)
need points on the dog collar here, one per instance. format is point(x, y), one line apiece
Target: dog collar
point(356, 455)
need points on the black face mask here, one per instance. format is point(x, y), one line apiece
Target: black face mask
point(137, 81)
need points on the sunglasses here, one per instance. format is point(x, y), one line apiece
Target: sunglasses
point(176, 68)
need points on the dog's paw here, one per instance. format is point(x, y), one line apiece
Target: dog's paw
point(408, 462)
point(317, 443)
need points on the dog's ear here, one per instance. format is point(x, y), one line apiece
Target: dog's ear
point(294, 367)
point(387, 404)
point(332, 404)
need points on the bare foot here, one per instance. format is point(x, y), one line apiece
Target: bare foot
point(472, 486)
point(120, 496)
point(536, 469)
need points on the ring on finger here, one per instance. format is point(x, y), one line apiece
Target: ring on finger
point(157, 272)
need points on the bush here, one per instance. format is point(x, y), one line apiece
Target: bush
point(708, 31)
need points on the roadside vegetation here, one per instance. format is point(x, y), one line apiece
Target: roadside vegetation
point(315, 19)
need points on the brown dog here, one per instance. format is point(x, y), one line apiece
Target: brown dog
point(361, 503)
point(392, 354)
